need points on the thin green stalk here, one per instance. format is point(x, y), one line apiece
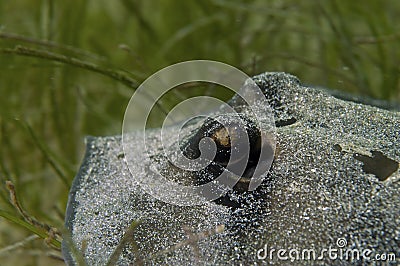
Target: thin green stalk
point(127, 238)
point(18, 245)
point(50, 44)
point(305, 61)
point(46, 153)
point(30, 52)
point(41, 233)
point(75, 252)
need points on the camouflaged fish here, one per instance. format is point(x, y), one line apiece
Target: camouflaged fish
point(334, 184)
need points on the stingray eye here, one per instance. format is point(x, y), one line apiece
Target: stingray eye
point(220, 135)
point(226, 131)
point(222, 138)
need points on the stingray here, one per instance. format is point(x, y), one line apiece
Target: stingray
point(331, 195)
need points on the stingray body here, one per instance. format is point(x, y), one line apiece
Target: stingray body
point(326, 189)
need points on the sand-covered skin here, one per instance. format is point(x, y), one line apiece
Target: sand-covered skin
point(315, 193)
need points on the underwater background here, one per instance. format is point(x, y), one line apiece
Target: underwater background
point(68, 70)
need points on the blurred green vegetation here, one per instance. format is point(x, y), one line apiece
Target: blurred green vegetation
point(50, 101)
